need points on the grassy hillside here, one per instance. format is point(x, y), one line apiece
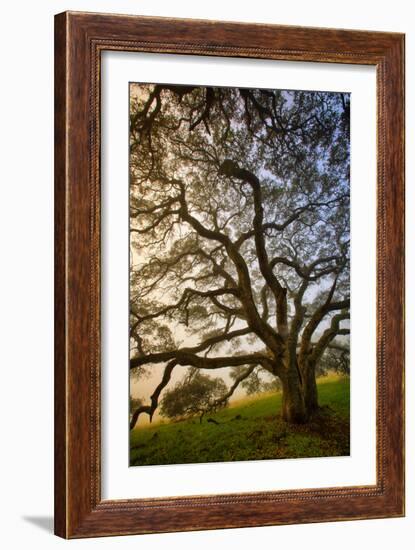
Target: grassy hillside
point(249, 430)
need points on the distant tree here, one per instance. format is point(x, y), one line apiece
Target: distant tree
point(336, 359)
point(135, 403)
point(239, 204)
point(197, 394)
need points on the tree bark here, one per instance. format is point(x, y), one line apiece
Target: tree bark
point(293, 405)
point(310, 387)
point(299, 392)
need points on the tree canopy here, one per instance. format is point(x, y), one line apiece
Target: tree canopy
point(239, 233)
point(196, 394)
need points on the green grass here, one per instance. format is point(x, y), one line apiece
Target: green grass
point(250, 430)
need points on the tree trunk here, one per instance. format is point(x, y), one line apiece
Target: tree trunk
point(310, 387)
point(299, 392)
point(293, 405)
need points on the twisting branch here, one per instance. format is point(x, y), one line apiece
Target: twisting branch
point(231, 169)
point(319, 314)
point(187, 358)
point(187, 295)
point(243, 376)
point(258, 325)
point(151, 409)
point(329, 334)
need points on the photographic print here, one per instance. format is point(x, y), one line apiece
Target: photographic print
point(239, 274)
point(202, 232)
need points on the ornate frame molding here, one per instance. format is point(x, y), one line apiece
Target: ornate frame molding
point(79, 40)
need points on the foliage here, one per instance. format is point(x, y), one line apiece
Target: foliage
point(197, 394)
point(336, 359)
point(135, 402)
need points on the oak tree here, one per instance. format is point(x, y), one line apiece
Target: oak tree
point(239, 235)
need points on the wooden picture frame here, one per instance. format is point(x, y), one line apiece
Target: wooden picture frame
point(79, 40)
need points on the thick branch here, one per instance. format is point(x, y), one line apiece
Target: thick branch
point(187, 295)
point(230, 168)
point(329, 334)
point(318, 316)
point(283, 225)
point(187, 358)
point(150, 409)
point(260, 327)
point(305, 272)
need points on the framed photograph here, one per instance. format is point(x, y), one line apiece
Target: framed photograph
point(229, 275)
